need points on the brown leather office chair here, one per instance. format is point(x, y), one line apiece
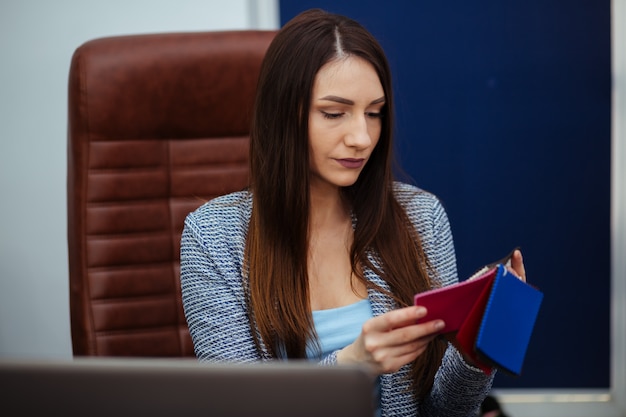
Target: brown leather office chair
point(158, 124)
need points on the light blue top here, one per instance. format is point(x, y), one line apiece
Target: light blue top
point(336, 328)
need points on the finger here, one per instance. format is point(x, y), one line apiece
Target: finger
point(406, 338)
point(390, 353)
point(395, 319)
point(517, 264)
point(393, 364)
point(391, 359)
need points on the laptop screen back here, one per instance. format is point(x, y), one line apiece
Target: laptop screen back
point(173, 387)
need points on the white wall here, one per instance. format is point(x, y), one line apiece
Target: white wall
point(37, 39)
point(618, 205)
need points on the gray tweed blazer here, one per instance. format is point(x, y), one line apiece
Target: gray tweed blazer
point(213, 289)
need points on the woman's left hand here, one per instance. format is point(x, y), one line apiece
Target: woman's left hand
point(517, 265)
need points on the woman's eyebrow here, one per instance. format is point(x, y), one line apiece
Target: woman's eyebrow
point(342, 100)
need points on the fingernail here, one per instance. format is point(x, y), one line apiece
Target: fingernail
point(420, 311)
point(439, 324)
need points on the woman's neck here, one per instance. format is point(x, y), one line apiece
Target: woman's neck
point(329, 267)
point(327, 208)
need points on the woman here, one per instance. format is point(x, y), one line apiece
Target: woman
point(321, 256)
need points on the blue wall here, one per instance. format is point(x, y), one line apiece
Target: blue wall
point(504, 113)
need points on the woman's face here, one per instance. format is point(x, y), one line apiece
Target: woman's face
point(344, 121)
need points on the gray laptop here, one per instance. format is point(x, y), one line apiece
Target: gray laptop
point(109, 387)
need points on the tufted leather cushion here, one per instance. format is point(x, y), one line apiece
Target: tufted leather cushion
point(158, 124)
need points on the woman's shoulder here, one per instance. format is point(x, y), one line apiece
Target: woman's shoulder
point(223, 211)
point(414, 198)
point(429, 217)
point(424, 209)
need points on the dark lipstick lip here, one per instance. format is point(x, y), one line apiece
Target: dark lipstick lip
point(351, 162)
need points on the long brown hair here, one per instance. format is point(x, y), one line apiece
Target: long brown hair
point(277, 241)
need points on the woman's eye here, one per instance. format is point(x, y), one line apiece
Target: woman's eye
point(332, 115)
point(374, 115)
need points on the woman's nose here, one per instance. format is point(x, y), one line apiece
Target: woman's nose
point(358, 134)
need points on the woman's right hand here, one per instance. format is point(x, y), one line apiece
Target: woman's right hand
point(391, 340)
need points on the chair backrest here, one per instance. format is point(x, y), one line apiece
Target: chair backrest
point(158, 124)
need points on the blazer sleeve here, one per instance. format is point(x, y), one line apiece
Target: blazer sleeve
point(213, 292)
